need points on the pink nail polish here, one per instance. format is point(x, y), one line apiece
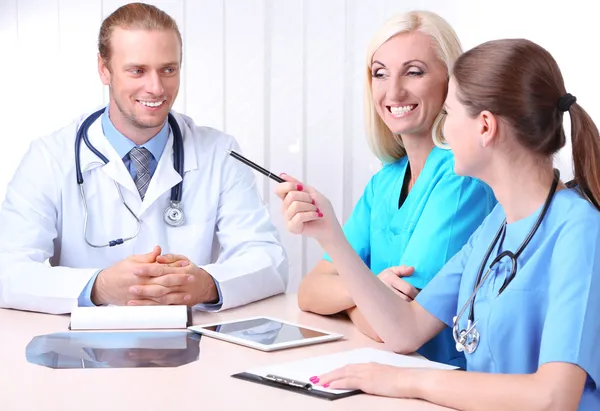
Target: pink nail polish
point(299, 187)
point(318, 211)
point(313, 202)
point(325, 385)
point(320, 214)
point(314, 380)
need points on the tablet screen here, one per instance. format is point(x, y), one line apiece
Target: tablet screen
point(265, 331)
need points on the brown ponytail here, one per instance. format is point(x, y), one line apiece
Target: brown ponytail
point(520, 81)
point(586, 153)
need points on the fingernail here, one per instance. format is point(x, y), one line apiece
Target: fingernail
point(137, 271)
point(313, 202)
point(185, 263)
point(134, 290)
point(320, 214)
point(325, 385)
point(318, 211)
point(282, 174)
point(190, 278)
point(299, 187)
point(314, 379)
point(187, 298)
point(131, 303)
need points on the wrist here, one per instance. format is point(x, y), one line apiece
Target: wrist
point(416, 384)
point(208, 293)
point(335, 237)
point(98, 296)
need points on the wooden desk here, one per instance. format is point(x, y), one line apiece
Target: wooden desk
point(202, 385)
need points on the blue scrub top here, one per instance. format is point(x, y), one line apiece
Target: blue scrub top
point(437, 218)
point(549, 312)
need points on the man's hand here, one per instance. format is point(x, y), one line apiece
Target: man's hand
point(199, 288)
point(391, 278)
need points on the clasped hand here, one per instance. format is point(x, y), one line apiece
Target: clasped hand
point(154, 279)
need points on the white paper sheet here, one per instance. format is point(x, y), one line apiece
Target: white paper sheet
point(304, 369)
point(129, 317)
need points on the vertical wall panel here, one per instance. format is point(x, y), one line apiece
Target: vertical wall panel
point(14, 141)
point(79, 24)
point(286, 113)
point(325, 104)
point(203, 62)
point(245, 87)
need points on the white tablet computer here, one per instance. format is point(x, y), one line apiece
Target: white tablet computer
point(265, 333)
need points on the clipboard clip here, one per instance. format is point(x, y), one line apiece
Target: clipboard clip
point(288, 381)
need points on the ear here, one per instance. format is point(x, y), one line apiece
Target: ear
point(104, 71)
point(488, 128)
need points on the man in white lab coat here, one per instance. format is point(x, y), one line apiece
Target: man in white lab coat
point(46, 218)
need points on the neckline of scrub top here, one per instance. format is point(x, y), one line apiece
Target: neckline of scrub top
point(514, 231)
point(421, 183)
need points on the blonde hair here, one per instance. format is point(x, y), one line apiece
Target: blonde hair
point(134, 16)
point(386, 145)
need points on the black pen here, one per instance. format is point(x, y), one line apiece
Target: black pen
point(289, 381)
point(255, 166)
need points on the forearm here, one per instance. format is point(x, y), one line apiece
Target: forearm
point(483, 391)
point(392, 318)
point(34, 286)
point(323, 293)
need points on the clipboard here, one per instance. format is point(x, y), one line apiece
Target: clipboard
point(306, 388)
point(294, 376)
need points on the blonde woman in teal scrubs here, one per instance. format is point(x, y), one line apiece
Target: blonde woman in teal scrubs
point(416, 212)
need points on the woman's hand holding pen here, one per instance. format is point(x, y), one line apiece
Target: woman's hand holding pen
point(306, 211)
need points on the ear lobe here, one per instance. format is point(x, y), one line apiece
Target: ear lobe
point(489, 128)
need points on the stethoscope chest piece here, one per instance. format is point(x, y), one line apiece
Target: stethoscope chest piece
point(467, 340)
point(174, 215)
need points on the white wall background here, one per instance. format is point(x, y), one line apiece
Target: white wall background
point(283, 76)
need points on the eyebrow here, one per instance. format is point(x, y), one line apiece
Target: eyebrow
point(130, 65)
point(406, 63)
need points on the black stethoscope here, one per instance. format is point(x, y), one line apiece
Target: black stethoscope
point(173, 215)
point(467, 339)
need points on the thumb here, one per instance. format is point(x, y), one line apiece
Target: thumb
point(403, 270)
point(151, 256)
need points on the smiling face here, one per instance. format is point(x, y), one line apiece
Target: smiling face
point(144, 76)
point(409, 83)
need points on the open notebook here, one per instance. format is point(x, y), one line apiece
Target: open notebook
point(294, 376)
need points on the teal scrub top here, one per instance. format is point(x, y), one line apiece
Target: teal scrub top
point(550, 310)
point(437, 218)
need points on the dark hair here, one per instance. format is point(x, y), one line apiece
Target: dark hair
point(133, 16)
point(520, 82)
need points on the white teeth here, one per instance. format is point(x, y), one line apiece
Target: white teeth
point(152, 103)
point(402, 110)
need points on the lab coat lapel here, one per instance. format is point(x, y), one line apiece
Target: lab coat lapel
point(166, 176)
point(115, 169)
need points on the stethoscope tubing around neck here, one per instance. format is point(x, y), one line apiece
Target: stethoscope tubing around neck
point(178, 160)
point(513, 256)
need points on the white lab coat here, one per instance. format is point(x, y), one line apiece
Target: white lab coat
point(42, 219)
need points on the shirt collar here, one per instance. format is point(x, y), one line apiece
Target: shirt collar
point(123, 145)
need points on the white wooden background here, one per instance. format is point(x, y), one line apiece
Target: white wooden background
point(283, 76)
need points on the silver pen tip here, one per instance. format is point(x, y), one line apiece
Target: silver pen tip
point(228, 151)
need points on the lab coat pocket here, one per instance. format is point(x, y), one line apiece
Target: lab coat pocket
point(195, 241)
